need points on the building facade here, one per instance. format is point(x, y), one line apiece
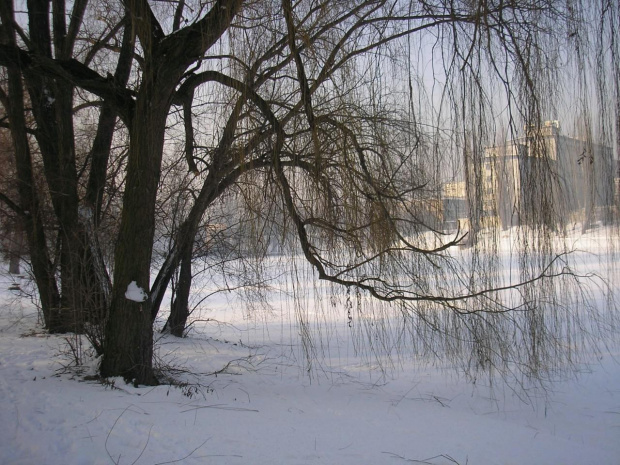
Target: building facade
point(541, 178)
point(548, 178)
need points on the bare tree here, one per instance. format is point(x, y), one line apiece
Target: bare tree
point(318, 108)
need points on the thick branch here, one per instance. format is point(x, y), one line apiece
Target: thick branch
point(189, 44)
point(189, 132)
point(77, 15)
point(147, 28)
point(71, 71)
point(178, 15)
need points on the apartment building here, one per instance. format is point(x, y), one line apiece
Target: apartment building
point(543, 177)
point(546, 177)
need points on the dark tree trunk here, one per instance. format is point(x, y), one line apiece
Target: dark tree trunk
point(52, 104)
point(100, 152)
point(29, 199)
point(35, 233)
point(52, 107)
point(128, 349)
point(183, 240)
point(179, 312)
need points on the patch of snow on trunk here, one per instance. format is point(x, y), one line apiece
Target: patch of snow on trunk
point(135, 293)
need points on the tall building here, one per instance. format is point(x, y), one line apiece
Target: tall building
point(548, 178)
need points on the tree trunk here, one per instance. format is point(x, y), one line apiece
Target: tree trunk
point(52, 107)
point(30, 203)
point(179, 312)
point(102, 143)
point(128, 349)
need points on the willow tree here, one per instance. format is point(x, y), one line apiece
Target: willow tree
point(320, 107)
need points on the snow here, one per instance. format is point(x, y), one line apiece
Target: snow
point(135, 292)
point(263, 407)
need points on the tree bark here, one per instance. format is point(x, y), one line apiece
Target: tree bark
point(100, 151)
point(30, 203)
point(128, 346)
point(52, 106)
point(179, 313)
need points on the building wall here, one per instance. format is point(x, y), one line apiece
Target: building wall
point(547, 178)
point(502, 182)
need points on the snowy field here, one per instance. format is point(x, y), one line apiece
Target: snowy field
point(268, 406)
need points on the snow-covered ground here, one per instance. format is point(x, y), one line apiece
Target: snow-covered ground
point(264, 408)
